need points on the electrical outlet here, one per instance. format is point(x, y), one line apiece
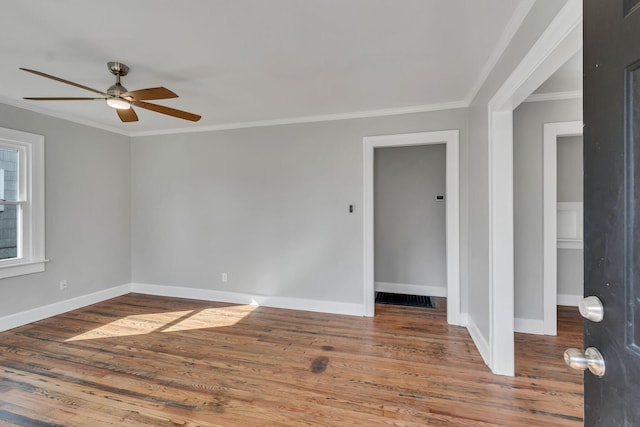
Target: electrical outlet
point(63, 285)
point(224, 277)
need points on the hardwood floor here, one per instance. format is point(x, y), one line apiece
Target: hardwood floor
point(146, 360)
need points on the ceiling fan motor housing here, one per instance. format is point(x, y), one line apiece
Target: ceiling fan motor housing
point(116, 90)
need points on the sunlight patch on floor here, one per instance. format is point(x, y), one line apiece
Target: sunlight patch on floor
point(212, 318)
point(173, 321)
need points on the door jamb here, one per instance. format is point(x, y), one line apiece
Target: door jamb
point(451, 139)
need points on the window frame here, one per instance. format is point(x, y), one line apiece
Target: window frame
point(31, 221)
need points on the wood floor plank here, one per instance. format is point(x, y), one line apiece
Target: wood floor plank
point(145, 360)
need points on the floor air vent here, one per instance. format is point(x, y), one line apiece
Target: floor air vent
point(401, 299)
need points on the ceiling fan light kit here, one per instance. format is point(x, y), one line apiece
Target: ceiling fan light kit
point(121, 99)
point(118, 104)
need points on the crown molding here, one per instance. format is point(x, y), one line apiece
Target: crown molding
point(554, 96)
point(311, 119)
point(242, 125)
point(67, 117)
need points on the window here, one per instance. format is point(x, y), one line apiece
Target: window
point(21, 203)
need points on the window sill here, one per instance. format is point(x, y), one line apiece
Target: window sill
point(20, 269)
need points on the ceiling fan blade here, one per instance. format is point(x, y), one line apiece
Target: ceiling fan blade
point(61, 99)
point(127, 115)
point(150, 93)
point(167, 110)
point(39, 73)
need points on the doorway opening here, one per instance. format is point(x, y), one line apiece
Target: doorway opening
point(409, 224)
point(569, 219)
point(450, 139)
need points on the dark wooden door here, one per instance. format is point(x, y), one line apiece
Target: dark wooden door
point(612, 206)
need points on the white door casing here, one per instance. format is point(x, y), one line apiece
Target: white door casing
point(451, 139)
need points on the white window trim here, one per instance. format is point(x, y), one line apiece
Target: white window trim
point(31, 232)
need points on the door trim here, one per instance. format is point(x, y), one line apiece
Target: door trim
point(451, 139)
point(549, 218)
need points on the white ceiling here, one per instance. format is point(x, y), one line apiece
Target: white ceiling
point(238, 61)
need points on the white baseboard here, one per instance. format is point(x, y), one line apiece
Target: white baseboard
point(240, 298)
point(403, 288)
point(529, 326)
point(463, 320)
point(18, 319)
point(570, 300)
point(479, 340)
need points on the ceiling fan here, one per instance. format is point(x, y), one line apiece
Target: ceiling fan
point(121, 99)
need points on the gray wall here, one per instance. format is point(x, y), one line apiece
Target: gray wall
point(570, 272)
point(410, 239)
point(532, 27)
point(570, 169)
point(570, 189)
point(528, 122)
point(268, 206)
point(87, 221)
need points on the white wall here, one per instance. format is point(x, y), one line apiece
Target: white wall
point(87, 180)
point(528, 122)
point(410, 238)
point(268, 206)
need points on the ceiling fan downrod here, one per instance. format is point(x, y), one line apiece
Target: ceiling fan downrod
point(115, 91)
